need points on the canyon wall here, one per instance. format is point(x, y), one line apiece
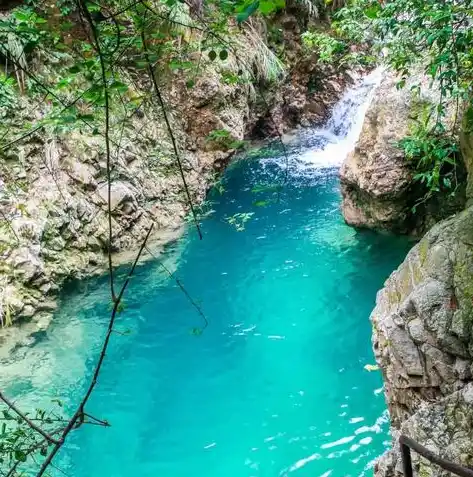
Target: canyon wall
point(423, 319)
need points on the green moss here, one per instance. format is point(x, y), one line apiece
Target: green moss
point(423, 248)
point(404, 281)
point(425, 470)
point(416, 273)
point(463, 270)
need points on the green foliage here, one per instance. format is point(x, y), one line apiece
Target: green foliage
point(8, 95)
point(434, 157)
point(333, 49)
point(18, 441)
point(223, 139)
point(239, 220)
point(20, 34)
point(260, 63)
point(328, 47)
point(250, 7)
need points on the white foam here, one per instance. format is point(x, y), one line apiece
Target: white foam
point(326, 148)
point(301, 462)
point(343, 440)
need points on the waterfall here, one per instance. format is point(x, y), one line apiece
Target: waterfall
point(319, 149)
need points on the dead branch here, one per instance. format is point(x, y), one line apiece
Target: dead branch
point(171, 133)
point(78, 417)
point(86, 13)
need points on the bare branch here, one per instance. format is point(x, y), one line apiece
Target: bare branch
point(98, 48)
point(171, 133)
point(78, 417)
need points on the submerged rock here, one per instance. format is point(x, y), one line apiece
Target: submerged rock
point(423, 330)
point(377, 183)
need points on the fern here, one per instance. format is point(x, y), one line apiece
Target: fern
point(255, 54)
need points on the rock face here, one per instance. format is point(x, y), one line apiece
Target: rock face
point(423, 335)
point(377, 181)
point(53, 199)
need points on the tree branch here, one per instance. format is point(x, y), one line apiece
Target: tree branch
point(103, 69)
point(171, 134)
point(78, 417)
point(28, 421)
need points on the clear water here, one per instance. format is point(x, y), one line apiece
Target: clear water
point(276, 384)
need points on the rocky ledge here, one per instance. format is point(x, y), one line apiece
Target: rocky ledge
point(422, 337)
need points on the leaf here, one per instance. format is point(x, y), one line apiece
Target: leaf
point(21, 16)
point(400, 84)
point(190, 84)
point(74, 69)
point(64, 83)
point(266, 7)
point(93, 7)
point(260, 203)
point(86, 117)
point(371, 367)
point(57, 401)
point(212, 55)
point(20, 455)
point(223, 55)
point(119, 86)
point(372, 12)
point(269, 6)
point(266, 188)
point(248, 11)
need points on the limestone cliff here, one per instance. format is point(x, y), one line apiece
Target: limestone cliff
point(423, 319)
point(422, 337)
point(376, 179)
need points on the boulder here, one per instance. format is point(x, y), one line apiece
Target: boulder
point(121, 194)
point(377, 183)
point(83, 174)
point(26, 263)
point(445, 427)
